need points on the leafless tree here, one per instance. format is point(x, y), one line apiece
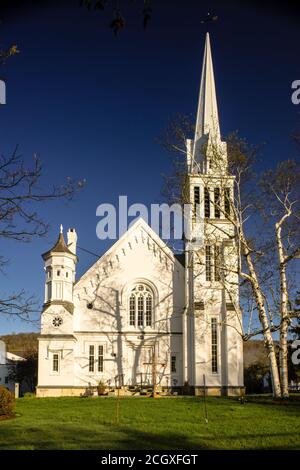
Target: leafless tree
point(281, 188)
point(20, 194)
point(6, 53)
point(117, 19)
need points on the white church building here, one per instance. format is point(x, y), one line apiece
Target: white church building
point(140, 303)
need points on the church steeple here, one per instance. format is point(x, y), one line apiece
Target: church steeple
point(207, 115)
point(207, 124)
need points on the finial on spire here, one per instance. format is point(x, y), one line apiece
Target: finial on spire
point(209, 17)
point(61, 228)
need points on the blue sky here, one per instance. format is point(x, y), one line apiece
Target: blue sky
point(92, 105)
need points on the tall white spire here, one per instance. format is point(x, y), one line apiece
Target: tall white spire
point(207, 115)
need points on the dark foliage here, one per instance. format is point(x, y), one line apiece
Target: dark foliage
point(118, 21)
point(253, 377)
point(7, 402)
point(25, 372)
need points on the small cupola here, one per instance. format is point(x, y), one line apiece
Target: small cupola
point(60, 246)
point(60, 262)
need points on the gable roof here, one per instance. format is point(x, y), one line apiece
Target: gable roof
point(142, 225)
point(14, 357)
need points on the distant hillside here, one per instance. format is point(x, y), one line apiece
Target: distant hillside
point(20, 342)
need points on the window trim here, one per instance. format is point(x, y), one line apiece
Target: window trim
point(196, 199)
point(48, 290)
point(207, 211)
point(54, 371)
point(141, 306)
point(227, 202)
point(91, 363)
point(173, 364)
point(217, 262)
point(217, 203)
point(100, 369)
point(214, 345)
point(208, 263)
point(148, 315)
point(140, 310)
point(132, 310)
point(59, 293)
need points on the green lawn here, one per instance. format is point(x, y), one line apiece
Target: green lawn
point(166, 423)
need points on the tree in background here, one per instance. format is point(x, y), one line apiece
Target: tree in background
point(281, 192)
point(117, 20)
point(19, 343)
point(296, 325)
point(20, 192)
point(6, 53)
point(25, 372)
point(254, 377)
point(19, 219)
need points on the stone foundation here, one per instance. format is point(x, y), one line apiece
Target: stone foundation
point(220, 391)
point(69, 391)
point(43, 392)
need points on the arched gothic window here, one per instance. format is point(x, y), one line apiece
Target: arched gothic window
point(141, 306)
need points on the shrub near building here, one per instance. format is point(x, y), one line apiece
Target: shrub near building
point(7, 402)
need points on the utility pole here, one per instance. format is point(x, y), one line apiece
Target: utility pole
point(118, 401)
point(204, 396)
point(154, 372)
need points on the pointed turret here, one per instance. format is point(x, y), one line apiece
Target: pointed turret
point(59, 247)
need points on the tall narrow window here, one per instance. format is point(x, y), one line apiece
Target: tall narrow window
point(49, 290)
point(140, 310)
point(55, 363)
point(206, 203)
point(196, 199)
point(227, 201)
point(208, 262)
point(91, 358)
point(58, 286)
point(173, 364)
point(214, 345)
point(217, 262)
point(141, 306)
point(217, 203)
point(100, 358)
point(132, 310)
point(148, 310)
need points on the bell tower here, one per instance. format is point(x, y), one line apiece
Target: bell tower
point(214, 352)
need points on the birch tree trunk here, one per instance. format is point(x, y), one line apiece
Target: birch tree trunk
point(282, 190)
point(259, 299)
point(285, 319)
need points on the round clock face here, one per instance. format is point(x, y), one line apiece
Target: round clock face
point(57, 321)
